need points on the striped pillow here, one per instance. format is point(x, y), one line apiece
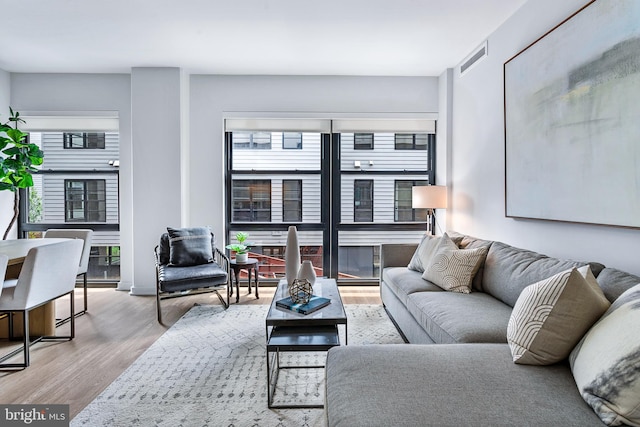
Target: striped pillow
point(452, 268)
point(551, 316)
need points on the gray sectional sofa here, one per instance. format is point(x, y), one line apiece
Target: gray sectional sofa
point(469, 377)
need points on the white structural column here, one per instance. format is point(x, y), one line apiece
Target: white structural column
point(156, 149)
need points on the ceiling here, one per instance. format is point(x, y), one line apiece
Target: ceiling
point(288, 37)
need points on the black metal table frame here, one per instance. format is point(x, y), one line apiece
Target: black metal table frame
point(273, 351)
point(312, 327)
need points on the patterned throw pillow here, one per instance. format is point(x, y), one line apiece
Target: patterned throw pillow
point(606, 362)
point(451, 268)
point(424, 251)
point(189, 246)
point(551, 316)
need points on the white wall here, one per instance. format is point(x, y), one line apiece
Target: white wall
point(477, 156)
point(214, 97)
point(6, 197)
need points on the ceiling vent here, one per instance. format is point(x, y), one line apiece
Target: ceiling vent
point(474, 58)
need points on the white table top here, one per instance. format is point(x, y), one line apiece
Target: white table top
point(17, 249)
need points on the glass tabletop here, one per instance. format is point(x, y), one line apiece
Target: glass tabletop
point(331, 314)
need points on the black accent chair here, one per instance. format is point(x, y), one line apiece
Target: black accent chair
point(176, 281)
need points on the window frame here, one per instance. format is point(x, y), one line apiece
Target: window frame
point(298, 144)
point(417, 214)
point(414, 145)
point(252, 187)
point(298, 200)
point(67, 140)
point(86, 201)
point(361, 146)
point(253, 144)
point(357, 204)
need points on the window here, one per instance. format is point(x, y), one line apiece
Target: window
point(402, 202)
point(363, 141)
point(251, 200)
point(292, 140)
point(411, 141)
point(252, 140)
point(363, 200)
point(84, 140)
point(292, 200)
point(85, 200)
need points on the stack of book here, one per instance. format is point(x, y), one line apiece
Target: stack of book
point(314, 304)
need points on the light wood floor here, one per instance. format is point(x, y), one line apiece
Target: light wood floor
point(115, 331)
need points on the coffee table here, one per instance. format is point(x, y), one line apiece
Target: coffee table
point(288, 331)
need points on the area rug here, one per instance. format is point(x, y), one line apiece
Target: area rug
point(209, 369)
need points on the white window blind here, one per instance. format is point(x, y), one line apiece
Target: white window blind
point(87, 123)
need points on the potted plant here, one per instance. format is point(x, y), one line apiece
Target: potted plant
point(241, 248)
point(16, 162)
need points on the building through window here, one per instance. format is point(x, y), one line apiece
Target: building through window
point(84, 140)
point(411, 141)
point(292, 200)
point(292, 140)
point(363, 200)
point(252, 141)
point(403, 200)
point(85, 200)
point(363, 141)
point(251, 200)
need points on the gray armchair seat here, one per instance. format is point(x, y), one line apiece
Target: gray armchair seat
point(190, 267)
point(176, 279)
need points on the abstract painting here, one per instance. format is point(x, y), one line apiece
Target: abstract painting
point(572, 120)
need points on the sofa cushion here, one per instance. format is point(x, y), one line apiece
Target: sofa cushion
point(447, 385)
point(614, 282)
point(452, 268)
point(606, 362)
point(189, 246)
point(451, 317)
point(508, 270)
point(552, 315)
point(403, 282)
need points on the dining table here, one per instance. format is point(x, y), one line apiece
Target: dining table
point(42, 320)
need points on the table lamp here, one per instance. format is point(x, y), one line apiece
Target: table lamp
point(429, 197)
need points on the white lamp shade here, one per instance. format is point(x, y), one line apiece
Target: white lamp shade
point(429, 197)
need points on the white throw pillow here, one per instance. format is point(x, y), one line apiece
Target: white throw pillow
point(452, 268)
point(606, 362)
point(552, 315)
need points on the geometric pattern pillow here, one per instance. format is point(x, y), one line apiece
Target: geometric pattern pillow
point(551, 316)
point(452, 268)
point(606, 362)
point(423, 252)
point(190, 246)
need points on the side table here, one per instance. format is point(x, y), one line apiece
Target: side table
point(252, 266)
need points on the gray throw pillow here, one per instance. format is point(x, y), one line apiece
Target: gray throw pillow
point(423, 253)
point(189, 246)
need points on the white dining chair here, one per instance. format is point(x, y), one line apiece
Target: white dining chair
point(48, 273)
point(87, 236)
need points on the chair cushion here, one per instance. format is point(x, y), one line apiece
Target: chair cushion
point(190, 246)
point(172, 278)
point(614, 282)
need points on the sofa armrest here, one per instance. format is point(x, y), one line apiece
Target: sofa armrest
point(396, 254)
